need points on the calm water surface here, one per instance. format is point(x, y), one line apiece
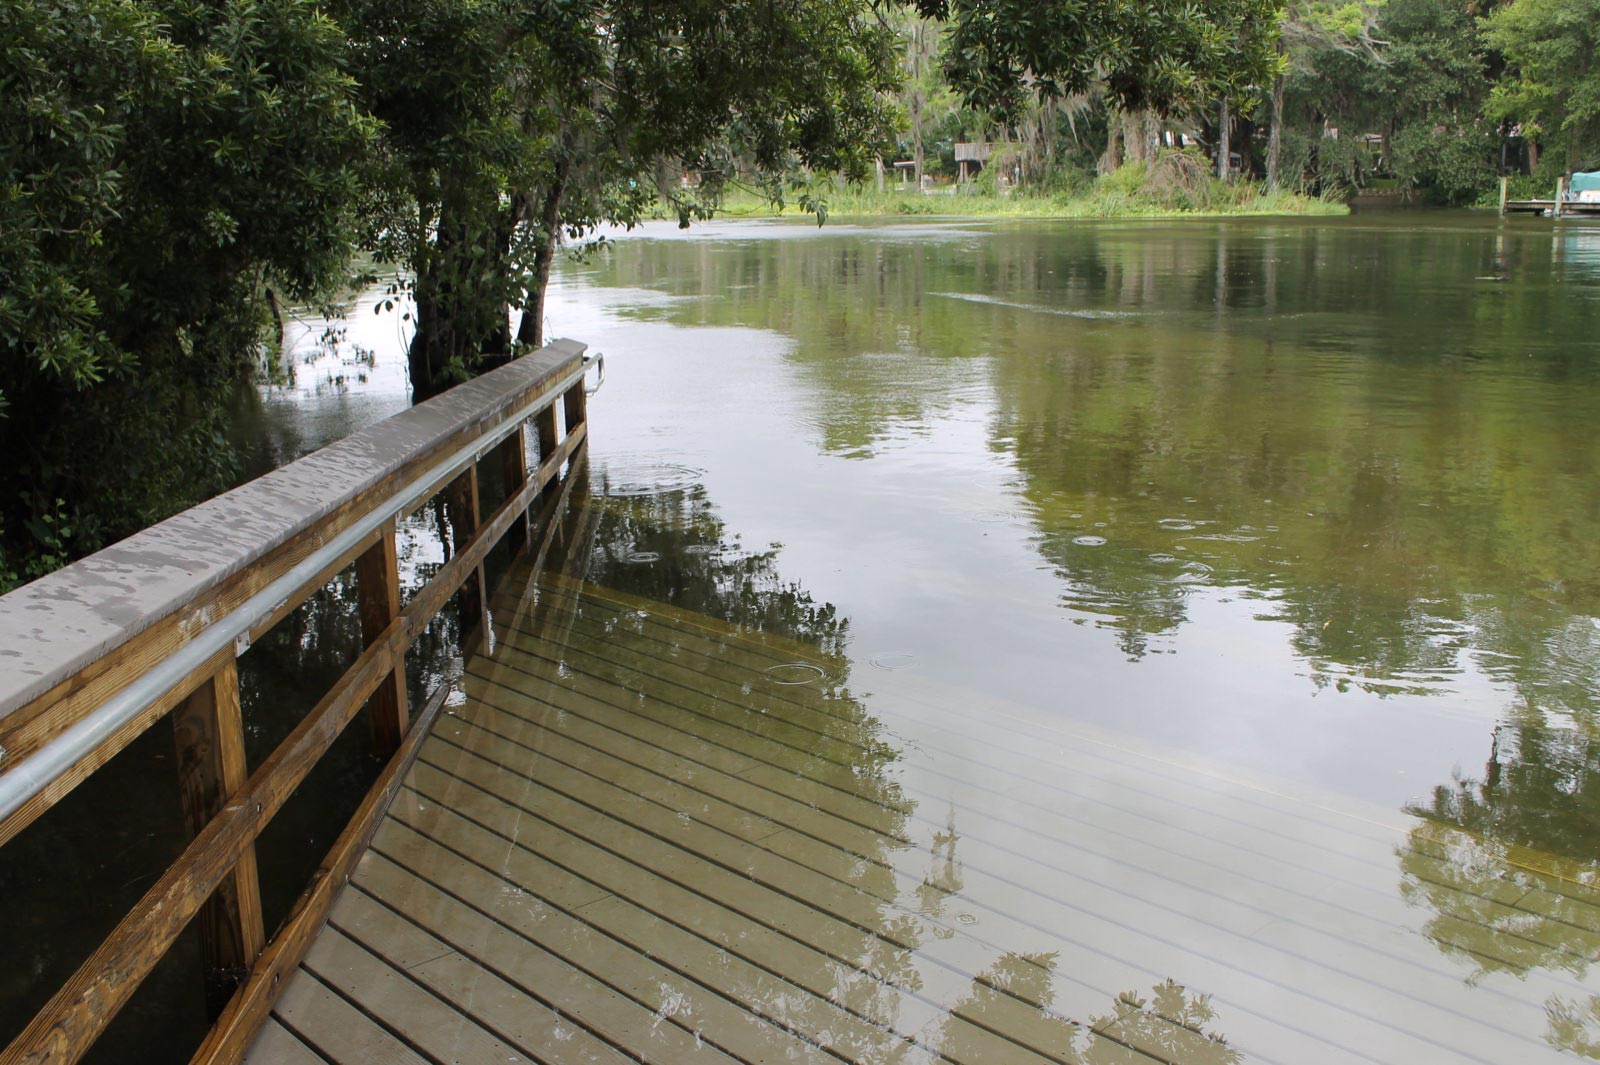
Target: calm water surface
point(1300, 508)
point(1313, 499)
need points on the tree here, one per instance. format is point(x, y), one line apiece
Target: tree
point(161, 165)
point(509, 126)
point(1551, 85)
point(1311, 29)
point(924, 89)
point(1157, 56)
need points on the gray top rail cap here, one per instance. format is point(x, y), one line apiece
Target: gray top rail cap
point(55, 626)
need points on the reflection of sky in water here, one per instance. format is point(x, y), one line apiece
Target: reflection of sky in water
point(1579, 251)
point(1176, 628)
point(943, 545)
point(1244, 643)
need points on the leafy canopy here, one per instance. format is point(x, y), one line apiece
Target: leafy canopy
point(1158, 56)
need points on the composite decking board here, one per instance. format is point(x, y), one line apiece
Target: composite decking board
point(845, 856)
point(791, 952)
point(625, 807)
point(340, 1032)
point(587, 854)
point(439, 1028)
point(791, 703)
point(1450, 977)
point(670, 901)
point(762, 900)
point(701, 695)
point(718, 1017)
point(276, 1045)
point(640, 934)
point(660, 755)
point(837, 782)
point(1322, 869)
point(1478, 949)
point(648, 743)
point(735, 935)
point(1041, 899)
point(493, 1002)
point(1350, 912)
point(733, 646)
point(734, 651)
point(809, 721)
point(503, 938)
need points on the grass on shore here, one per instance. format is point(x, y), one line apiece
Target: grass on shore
point(1171, 187)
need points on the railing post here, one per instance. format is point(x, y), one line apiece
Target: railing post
point(514, 471)
point(463, 504)
point(378, 591)
point(208, 729)
point(575, 403)
point(545, 424)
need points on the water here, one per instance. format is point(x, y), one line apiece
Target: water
point(1302, 511)
point(1302, 508)
point(1313, 499)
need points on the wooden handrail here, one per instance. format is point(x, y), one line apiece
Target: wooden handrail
point(89, 662)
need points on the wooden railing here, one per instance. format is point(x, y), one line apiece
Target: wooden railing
point(95, 654)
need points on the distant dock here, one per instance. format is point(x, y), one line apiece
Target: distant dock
point(1560, 207)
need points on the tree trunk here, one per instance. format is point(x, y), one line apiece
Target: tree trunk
point(1112, 158)
point(279, 326)
point(1275, 137)
point(530, 330)
point(456, 319)
point(916, 138)
point(1047, 134)
point(1224, 149)
point(430, 347)
point(1141, 136)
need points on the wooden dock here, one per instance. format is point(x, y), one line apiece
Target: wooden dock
point(633, 838)
point(631, 833)
point(1560, 206)
point(1569, 208)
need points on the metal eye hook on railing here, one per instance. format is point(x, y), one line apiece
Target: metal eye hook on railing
point(599, 360)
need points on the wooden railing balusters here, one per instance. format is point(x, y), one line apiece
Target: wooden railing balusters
point(378, 592)
point(225, 805)
point(514, 472)
point(463, 504)
point(208, 730)
point(575, 405)
point(544, 424)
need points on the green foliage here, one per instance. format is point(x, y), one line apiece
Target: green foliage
point(159, 163)
point(1413, 74)
point(507, 128)
point(1453, 164)
point(1551, 85)
point(1147, 56)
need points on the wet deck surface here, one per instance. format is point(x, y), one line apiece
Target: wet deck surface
point(643, 836)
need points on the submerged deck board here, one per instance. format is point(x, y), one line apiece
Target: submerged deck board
point(630, 843)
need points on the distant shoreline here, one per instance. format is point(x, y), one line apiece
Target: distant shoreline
point(1093, 203)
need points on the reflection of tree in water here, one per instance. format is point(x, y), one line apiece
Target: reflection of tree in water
point(672, 548)
point(1504, 862)
point(1383, 470)
point(1171, 1024)
point(944, 876)
point(1168, 1024)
